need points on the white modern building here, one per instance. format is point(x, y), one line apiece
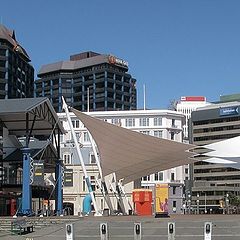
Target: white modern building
point(188, 104)
point(158, 123)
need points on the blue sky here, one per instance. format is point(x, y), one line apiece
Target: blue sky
point(175, 47)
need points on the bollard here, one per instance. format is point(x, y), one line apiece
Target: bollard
point(137, 231)
point(171, 231)
point(104, 231)
point(207, 231)
point(69, 231)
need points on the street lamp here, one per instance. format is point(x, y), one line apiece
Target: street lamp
point(205, 197)
point(189, 203)
point(198, 203)
point(227, 203)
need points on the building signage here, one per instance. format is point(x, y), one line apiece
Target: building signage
point(226, 111)
point(117, 61)
point(38, 172)
point(68, 178)
point(193, 99)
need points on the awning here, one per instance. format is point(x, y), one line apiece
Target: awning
point(42, 117)
point(132, 155)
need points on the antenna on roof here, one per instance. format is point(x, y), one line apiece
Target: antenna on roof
point(144, 97)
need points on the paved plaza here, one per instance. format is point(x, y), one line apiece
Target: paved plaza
point(188, 227)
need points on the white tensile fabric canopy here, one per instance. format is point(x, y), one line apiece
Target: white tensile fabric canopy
point(132, 155)
point(229, 148)
point(226, 152)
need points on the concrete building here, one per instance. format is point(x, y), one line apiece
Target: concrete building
point(88, 81)
point(186, 105)
point(16, 72)
point(158, 123)
point(212, 182)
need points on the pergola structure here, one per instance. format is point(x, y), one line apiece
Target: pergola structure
point(132, 155)
point(29, 118)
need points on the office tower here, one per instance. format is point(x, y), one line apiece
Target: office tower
point(89, 81)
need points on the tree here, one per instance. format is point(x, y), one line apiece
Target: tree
point(173, 105)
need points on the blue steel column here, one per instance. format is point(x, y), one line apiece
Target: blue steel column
point(58, 188)
point(59, 181)
point(26, 185)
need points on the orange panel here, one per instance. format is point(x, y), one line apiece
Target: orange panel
point(143, 202)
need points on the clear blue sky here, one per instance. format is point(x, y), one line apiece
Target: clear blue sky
point(175, 47)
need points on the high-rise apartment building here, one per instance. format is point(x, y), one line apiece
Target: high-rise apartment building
point(89, 81)
point(16, 72)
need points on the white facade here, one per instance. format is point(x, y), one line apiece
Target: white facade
point(159, 123)
point(188, 104)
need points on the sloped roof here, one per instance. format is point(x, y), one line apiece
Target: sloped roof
point(9, 36)
point(13, 115)
point(73, 65)
point(130, 154)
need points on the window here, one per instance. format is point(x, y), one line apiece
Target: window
point(186, 170)
point(145, 132)
point(78, 136)
point(84, 184)
point(158, 176)
point(146, 178)
point(92, 158)
point(116, 121)
point(130, 122)
point(174, 190)
point(172, 177)
point(157, 134)
point(75, 123)
point(92, 181)
point(157, 121)
point(172, 135)
point(86, 137)
point(143, 122)
point(67, 158)
point(174, 204)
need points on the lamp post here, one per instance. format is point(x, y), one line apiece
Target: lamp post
point(205, 198)
point(227, 203)
point(189, 203)
point(198, 203)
